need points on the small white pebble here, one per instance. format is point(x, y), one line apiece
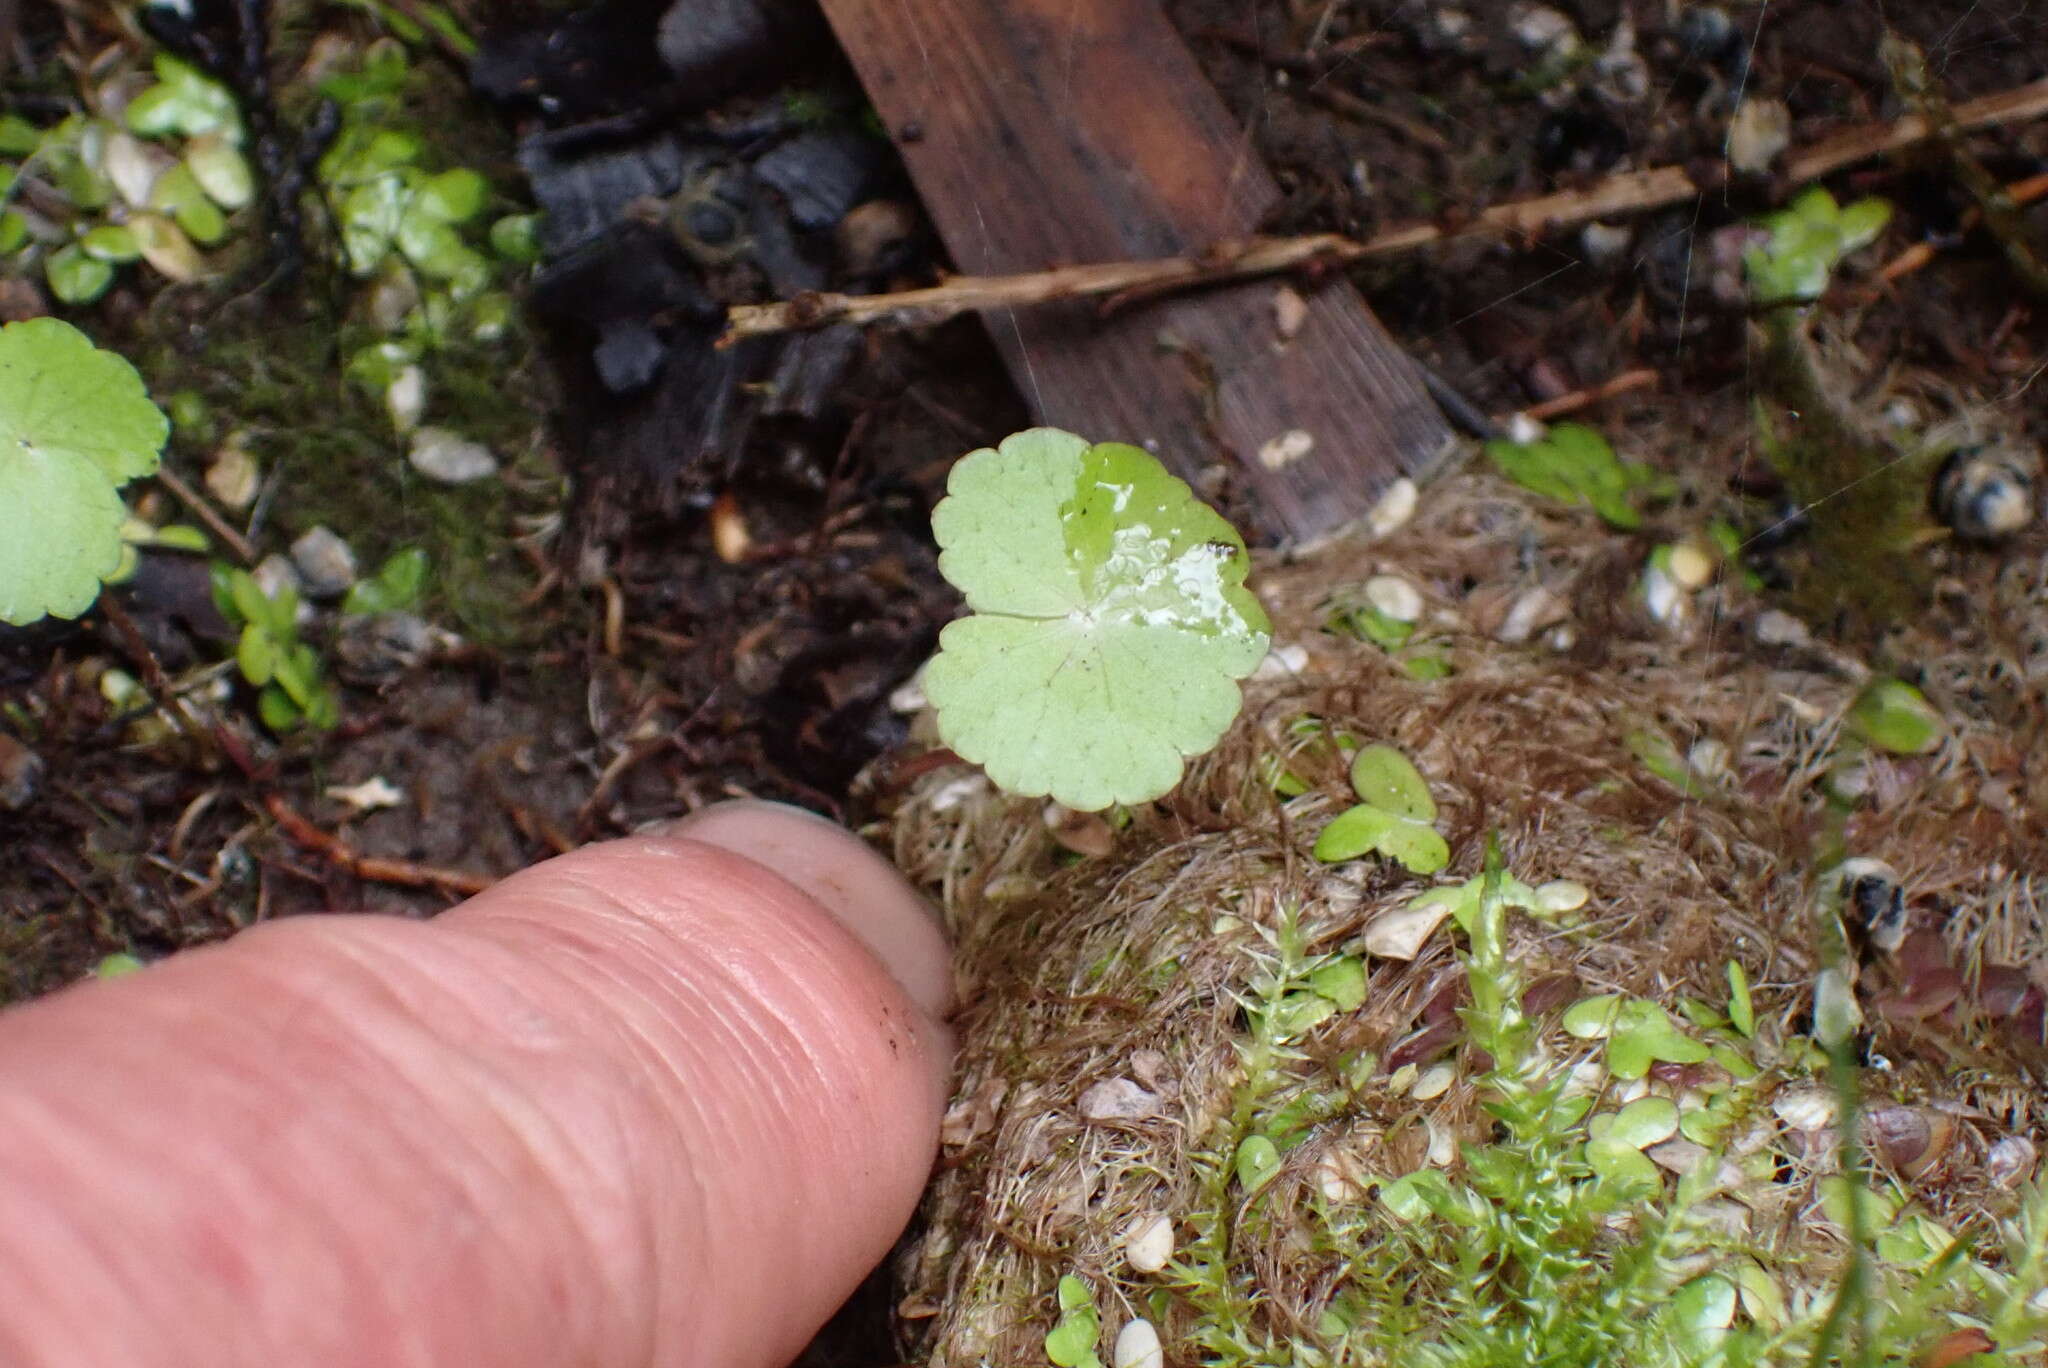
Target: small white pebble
point(1395, 597)
point(908, 698)
point(1708, 757)
point(449, 457)
point(1117, 1099)
point(1434, 1081)
point(373, 793)
point(273, 573)
point(1757, 132)
point(326, 564)
point(1443, 1144)
point(1524, 430)
point(1283, 662)
point(1401, 933)
point(1148, 1246)
point(1541, 28)
point(1284, 450)
point(1691, 566)
point(1663, 597)
point(1805, 1109)
point(1532, 611)
point(1339, 1178)
point(1774, 627)
point(2010, 1160)
point(1603, 243)
point(1395, 507)
point(1290, 311)
point(955, 792)
point(406, 399)
point(232, 477)
point(1137, 1346)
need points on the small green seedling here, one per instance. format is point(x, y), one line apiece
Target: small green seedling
point(1071, 1342)
point(1574, 464)
point(1893, 716)
point(144, 192)
point(287, 671)
point(1807, 241)
point(75, 425)
point(1393, 817)
point(1638, 1033)
point(395, 587)
point(1110, 620)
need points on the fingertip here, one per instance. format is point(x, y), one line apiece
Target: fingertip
point(843, 874)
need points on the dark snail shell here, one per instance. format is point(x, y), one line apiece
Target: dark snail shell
point(1984, 493)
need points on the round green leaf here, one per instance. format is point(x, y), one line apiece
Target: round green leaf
point(1741, 1010)
point(1257, 1158)
point(395, 587)
point(370, 215)
point(1353, 832)
point(1592, 1018)
point(1620, 1164)
point(1645, 1122)
point(1071, 1343)
point(276, 709)
point(59, 393)
point(1384, 777)
point(1893, 716)
point(74, 277)
point(183, 101)
point(18, 137)
point(1299, 1012)
point(1414, 1195)
point(453, 196)
point(1365, 828)
point(1342, 981)
point(221, 170)
point(1703, 1309)
point(516, 237)
point(1110, 625)
point(13, 230)
point(60, 533)
point(178, 193)
point(110, 242)
point(256, 655)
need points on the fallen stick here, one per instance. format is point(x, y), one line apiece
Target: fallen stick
point(1591, 394)
point(371, 868)
point(1629, 193)
point(1920, 253)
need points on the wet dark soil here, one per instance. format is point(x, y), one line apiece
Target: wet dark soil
point(614, 667)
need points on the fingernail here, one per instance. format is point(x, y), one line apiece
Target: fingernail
point(846, 876)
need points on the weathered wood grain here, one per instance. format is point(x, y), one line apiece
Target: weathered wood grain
point(1049, 132)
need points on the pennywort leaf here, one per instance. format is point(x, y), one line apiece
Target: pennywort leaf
point(1110, 622)
point(75, 425)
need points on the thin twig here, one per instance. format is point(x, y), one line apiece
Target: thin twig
point(207, 514)
point(1629, 193)
point(404, 873)
point(2020, 192)
point(1592, 394)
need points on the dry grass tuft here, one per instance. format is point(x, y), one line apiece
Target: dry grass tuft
point(1127, 971)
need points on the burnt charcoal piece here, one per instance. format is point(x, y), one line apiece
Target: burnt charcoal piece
point(1580, 139)
point(626, 287)
point(822, 174)
point(584, 191)
point(628, 356)
point(592, 62)
point(809, 370)
point(708, 45)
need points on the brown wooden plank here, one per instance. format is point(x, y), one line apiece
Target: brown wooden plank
point(1049, 132)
